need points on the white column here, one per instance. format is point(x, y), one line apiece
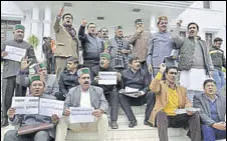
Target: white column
point(153, 24)
point(47, 22)
point(36, 30)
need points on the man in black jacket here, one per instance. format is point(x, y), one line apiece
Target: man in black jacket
point(68, 78)
point(110, 91)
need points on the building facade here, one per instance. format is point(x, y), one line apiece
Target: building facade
point(38, 16)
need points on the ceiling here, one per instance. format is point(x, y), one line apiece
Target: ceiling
point(114, 12)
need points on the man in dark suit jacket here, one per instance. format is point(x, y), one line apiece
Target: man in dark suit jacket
point(11, 69)
point(212, 112)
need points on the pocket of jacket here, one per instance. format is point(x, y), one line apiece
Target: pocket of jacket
point(60, 44)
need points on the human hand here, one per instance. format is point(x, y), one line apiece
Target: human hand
point(54, 118)
point(97, 112)
point(60, 13)
point(11, 112)
point(24, 63)
point(162, 67)
point(150, 68)
point(97, 78)
point(219, 126)
point(67, 112)
point(4, 53)
point(84, 22)
point(118, 76)
point(125, 51)
point(190, 113)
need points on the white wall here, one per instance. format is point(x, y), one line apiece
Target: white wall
point(209, 20)
point(10, 11)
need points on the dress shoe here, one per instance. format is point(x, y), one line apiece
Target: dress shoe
point(114, 125)
point(147, 123)
point(132, 124)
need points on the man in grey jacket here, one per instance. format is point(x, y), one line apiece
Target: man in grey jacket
point(85, 95)
point(119, 50)
point(212, 112)
point(37, 90)
point(194, 60)
point(11, 68)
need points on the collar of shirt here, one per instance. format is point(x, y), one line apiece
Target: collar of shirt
point(133, 71)
point(212, 100)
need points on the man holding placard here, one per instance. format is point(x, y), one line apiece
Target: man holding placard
point(12, 53)
point(134, 89)
point(84, 97)
point(38, 127)
point(107, 78)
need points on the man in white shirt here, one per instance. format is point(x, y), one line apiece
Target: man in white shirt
point(85, 95)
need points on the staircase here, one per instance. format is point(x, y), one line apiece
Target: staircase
point(141, 132)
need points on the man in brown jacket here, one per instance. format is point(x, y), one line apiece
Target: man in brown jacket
point(67, 42)
point(170, 97)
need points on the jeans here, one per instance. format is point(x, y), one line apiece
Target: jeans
point(212, 134)
point(218, 76)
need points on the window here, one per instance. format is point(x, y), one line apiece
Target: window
point(209, 39)
point(206, 4)
point(7, 27)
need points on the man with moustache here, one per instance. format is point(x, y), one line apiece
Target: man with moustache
point(194, 60)
point(37, 90)
point(212, 112)
point(67, 42)
point(133, 77)
point(85, 95)
point(11, 69)
point(110, 91)
point(119, 50)
point(169, 97)
point(104, 36)
point(68, 78)
point(92, 45)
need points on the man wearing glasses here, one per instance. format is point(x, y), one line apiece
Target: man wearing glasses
point(67, 42)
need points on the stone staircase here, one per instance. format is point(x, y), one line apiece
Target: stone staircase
point(123, 133)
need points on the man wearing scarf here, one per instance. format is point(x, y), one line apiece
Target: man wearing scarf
point(67, 43)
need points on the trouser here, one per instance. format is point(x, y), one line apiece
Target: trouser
point(144, 67)
point(113, 100)
point(126, 103)
point(150, 105)
point(11, 135)
point(101, 125)
point(192, 93)
point(60, 65)
point(8, 87)
point(49, 64)
point(219, 78)
point(212, 134)
point(183, 120)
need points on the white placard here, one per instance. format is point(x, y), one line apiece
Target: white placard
point(184, 111)
point(130, 90)
point(14, 53)
point(81, 115)
point(26, 105)
point(48, 107)
point(107, 78)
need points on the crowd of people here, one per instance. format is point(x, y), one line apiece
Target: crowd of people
point(147, 62)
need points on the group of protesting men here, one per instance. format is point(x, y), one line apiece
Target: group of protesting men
point(148, 63)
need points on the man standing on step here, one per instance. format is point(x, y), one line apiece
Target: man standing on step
point(11, 69)
point(170, 97)
point(67, 42)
